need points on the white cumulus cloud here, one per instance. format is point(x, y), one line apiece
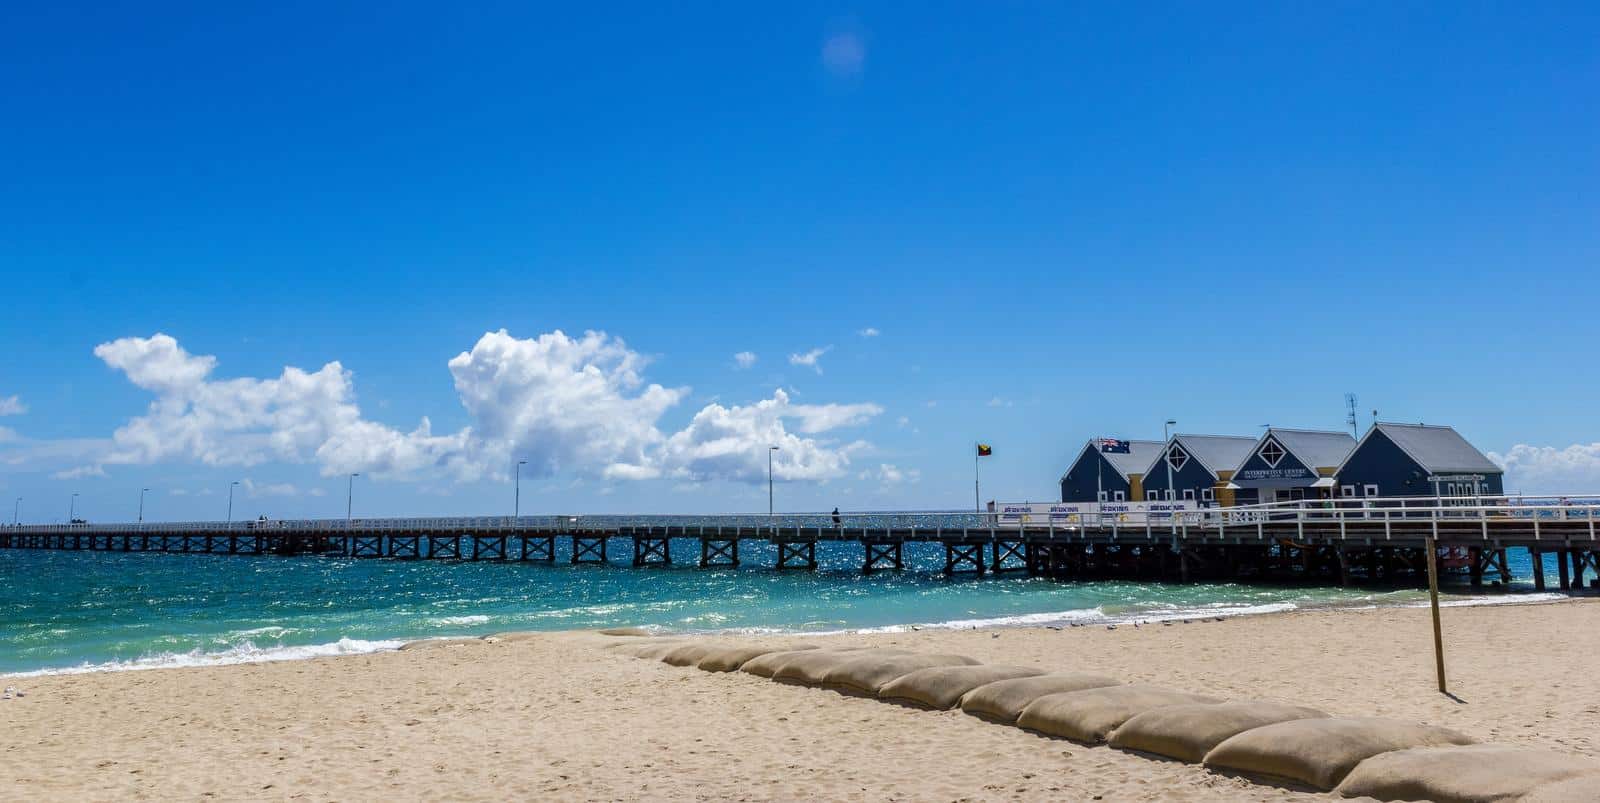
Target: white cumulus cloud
point(578, 405)
point(811, 358)
point(11, 405)
point(732, 442)
point(870, 331)
point(744, 359)
point(1547, 469)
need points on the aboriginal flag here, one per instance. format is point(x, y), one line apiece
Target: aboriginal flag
point(984, 450)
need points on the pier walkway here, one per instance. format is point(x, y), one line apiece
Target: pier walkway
point(1371, 540)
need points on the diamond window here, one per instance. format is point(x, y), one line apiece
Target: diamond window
point(1271, 452)
point(1177, 457)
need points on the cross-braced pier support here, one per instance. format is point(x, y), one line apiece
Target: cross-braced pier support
point(797, 555)
point(649, 550)
point(363, 546)
point(491, 547)
point(1008, 556)
point(588, 548)
point(408, 545)
point(444, 546)
point(719, 552)
point(541, 548)
point(883, 555)
point(962, 558)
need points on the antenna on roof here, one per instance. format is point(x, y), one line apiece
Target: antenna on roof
point(1350, 413)
point(1374, 417)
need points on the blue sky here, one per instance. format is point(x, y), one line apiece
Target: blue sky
point(1061, 221)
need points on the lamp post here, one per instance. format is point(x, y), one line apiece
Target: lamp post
point(72, 508)
point(231, 486)
point(770, 450)
point(16, 510)
point(1172, 492)
point(516, 509)
point(349, 497)
point(142, 492)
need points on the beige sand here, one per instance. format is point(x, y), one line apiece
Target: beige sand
point(553, 717)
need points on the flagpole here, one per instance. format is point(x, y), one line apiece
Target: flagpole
point(977, 504)
point(1099, 487)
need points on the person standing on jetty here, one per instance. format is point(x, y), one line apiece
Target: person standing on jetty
point(836, 521)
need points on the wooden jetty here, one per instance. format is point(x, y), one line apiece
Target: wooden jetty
point(1375, 541)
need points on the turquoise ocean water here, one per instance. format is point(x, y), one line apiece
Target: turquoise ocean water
point(74, 611)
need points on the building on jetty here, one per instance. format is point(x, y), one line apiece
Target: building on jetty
point(1200, 467)
point(1289, 465)
point(1100, 476)
point(1417, 460)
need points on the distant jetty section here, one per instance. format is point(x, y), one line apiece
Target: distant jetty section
point(1336, 541)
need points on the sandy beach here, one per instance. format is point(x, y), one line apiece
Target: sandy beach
point(555, 716)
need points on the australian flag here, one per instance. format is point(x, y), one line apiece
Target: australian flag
point(1114, 446)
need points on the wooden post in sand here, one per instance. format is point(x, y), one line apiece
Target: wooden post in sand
point(1433, 596)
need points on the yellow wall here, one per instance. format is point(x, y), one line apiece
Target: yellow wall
point(1223, 493)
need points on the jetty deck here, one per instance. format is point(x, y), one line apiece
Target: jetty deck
point(1343, 541)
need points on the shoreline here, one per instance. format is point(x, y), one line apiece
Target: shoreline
point(555, 715)
point(247, 653)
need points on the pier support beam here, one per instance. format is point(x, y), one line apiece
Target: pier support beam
point(651, 551)
point(797, 555)
point(1536, 557)
point(492, 547)
point(405, 546)
point(540, 548)
point(444, 546)
point(719, 552)
point(882, 555)
point(961, 558)
point(588, 548)
point(1561, 570)
point(1008, 556)
point(363, 546)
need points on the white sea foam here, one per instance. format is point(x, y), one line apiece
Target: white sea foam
point(452, 621)
point(242, 653)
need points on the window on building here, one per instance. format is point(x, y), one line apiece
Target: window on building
point(1370, 490)
point(1169, 495)
point(1102, 496)
point(1188, 494)
point(1207, 495)
point(1177, 457)
point(1150, 496)
point(1271, 452)
point(1347, 490)
point(1119, 496)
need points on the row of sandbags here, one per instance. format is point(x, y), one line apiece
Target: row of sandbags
point(1357, 756)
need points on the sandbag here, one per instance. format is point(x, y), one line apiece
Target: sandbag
point(1572, 790)
point(1090, 714)
point(731, 657)
point(868, 673)
point(1003, 700)
point(1188, 732)
point(766, 664)
point(625, 631)
point(1479, 773)
point(651, 649)
point(688, 654)
point(1321, 752)
point(942, 687)
point(809, 667)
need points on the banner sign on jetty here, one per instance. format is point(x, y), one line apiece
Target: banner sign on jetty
point(1371, 539)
